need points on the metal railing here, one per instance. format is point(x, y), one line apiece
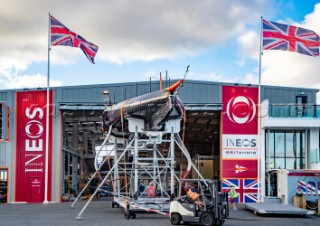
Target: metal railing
point(294, 111)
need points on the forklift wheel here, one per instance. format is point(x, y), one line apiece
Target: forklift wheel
point(175, 219)
point(220, 222)
point(207, 219)
point(127, 214)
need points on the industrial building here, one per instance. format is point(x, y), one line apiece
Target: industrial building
point(285, 136)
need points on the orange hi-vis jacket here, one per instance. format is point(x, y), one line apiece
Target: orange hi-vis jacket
point(193, 195)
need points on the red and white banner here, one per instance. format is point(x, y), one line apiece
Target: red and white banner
point(235, 169)
point(31, 125)
point(239, 146)
point(240, 110)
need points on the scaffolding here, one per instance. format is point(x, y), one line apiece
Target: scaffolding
point(139, 159)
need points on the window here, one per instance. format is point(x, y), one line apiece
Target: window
point(285, 149)
point(280, 163)
point(279, 145)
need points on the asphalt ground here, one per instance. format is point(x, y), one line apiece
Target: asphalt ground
point(101, 213)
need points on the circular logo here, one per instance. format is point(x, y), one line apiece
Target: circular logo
point(34, 129)
point(241, 109)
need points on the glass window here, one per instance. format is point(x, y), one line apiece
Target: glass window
point(291, 148)
point(279, 145)
point(292, 163)
point(270, 145)
point(302, 145)
point(271, 164)
point(302, 163)
point(298, 143)
point(279, 163)
point(286, 148)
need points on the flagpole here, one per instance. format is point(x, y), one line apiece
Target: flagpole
point(259, 117)
point(47, 120)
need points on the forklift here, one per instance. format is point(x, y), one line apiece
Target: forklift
point(212, 211)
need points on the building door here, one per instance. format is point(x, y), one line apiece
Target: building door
point(272, 184)
point(301, 102)
point(36, 190)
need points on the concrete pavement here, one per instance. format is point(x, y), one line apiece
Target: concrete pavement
point(101, 213)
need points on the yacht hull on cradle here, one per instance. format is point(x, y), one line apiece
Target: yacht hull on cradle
point(154, 108)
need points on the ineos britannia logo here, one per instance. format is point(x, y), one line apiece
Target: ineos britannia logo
point(241, 109)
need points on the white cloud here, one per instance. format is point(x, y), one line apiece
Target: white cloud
point(293, 69)
point(125, 31)
point(289, 69)
point(246, 79)
point(213, 77)
point(28, 81)
point(249, 43)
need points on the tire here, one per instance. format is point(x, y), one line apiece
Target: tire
point(207, 219)
point(127, 214)
point(133, 215)
point(175, 219)
point(220, 222)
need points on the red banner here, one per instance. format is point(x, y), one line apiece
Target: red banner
point(31, 146)
point(240, 169)
point(239, 110)
point(239, 146)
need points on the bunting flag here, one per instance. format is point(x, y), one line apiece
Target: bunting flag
point(278, 36)
point(61, 35)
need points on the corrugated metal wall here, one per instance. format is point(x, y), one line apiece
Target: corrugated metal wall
point(7, 149)
point(5, 155)
point(3, 98)
point(286, 95)
point(192, 92)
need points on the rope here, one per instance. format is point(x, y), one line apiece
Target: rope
point(184, 77)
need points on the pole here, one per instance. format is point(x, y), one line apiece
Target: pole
point(136, 156)
point(166, 78)
point(172, 159)
point(259, 118)
point(47, 120)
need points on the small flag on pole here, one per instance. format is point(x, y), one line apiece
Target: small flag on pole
point(61, 35)
point(278, 36)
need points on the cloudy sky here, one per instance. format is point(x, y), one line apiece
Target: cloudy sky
point(142, 38)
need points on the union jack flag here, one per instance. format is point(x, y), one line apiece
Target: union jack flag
point(247, 189)
point(309, 188)
point(278, 36)
point(61, 35)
